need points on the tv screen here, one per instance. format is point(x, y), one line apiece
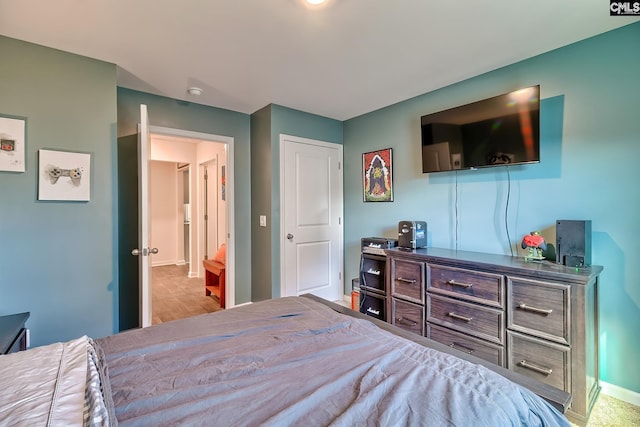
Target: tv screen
point(503, 130)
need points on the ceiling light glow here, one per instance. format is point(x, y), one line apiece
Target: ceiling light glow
point(315, 2)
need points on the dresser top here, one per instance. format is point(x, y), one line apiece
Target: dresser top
point(10, 326)
point(499, 263)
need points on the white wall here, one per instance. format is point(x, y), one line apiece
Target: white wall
point(164, 212)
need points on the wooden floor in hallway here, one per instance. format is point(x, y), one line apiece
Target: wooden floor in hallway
point(175, 296)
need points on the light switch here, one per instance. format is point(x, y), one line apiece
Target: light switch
point(263, 220)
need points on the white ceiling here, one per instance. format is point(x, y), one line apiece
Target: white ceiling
point(341, 60)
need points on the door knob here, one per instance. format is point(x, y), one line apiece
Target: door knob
point(144, 252)
point(290, 237)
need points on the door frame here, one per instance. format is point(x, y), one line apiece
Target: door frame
point(212, 166)
point(230, 198)
point(282, 240)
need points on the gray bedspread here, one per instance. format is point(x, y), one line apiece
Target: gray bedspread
point(294, 361)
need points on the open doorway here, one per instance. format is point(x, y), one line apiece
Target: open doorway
point(183, 215)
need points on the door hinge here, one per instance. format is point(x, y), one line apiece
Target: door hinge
point(339, 220)
point(339, 165)
point(340, 276)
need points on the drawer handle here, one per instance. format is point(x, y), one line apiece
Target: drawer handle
point(401, 279)
point(460, 347)
point(526, 307)
point(403, 321)
point(372, 271)
point(536, 368)
point(457, 316)
point(460, 284)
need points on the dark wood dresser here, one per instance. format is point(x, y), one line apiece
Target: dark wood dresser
point(538, 319)
point(13, 334)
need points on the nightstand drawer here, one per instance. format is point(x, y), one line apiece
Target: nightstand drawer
point(539, 308)
point(493, 353)
point(540, 360)
point(485, 288)
point(408, 316)
point(484, 322)
point(407, 280)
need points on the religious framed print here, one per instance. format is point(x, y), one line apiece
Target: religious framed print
point(377, 176)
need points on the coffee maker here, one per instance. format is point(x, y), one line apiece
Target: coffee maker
point(412, 234)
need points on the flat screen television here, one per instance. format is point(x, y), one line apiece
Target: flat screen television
point(497, 131)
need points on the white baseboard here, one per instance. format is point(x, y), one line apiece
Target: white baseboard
point(620, 393)
point(162, 263)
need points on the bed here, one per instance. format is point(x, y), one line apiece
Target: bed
point(287, 361)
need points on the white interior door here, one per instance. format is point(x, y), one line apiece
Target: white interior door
point(211, 207)
point(311, 227)
point(144, 249)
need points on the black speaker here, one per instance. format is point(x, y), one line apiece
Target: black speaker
point(372, 305)
point(573, 243)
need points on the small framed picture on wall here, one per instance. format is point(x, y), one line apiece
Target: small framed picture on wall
point(12, 142)
point(377, 176)
point(64, 176)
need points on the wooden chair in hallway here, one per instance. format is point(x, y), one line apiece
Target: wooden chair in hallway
point(214, 282)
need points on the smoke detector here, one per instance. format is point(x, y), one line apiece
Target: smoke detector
point(196, 91)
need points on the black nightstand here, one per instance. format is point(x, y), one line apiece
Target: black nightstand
point(13, 334)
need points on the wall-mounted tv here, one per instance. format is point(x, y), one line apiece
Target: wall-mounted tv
point(498, 131)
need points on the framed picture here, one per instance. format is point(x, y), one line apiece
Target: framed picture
point(223, 182)
point(64, 175)
point(377, 176)
point(12, 142)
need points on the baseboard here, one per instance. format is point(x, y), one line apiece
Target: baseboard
point(244, 303)
point(162, 263)
point(620, 393)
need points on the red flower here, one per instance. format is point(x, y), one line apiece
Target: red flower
point(533, 240)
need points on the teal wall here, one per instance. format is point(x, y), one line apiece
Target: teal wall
point(57, 259)
point(171, 113)
point(267, 126)
point(261, 185)
point(590, 127)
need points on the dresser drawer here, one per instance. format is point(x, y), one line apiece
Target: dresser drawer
point(408, 316)
point(541, 360)
point(407, 280)
point(484, 322)
point(539, 308)
point(485, 288)
point(484, 350)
